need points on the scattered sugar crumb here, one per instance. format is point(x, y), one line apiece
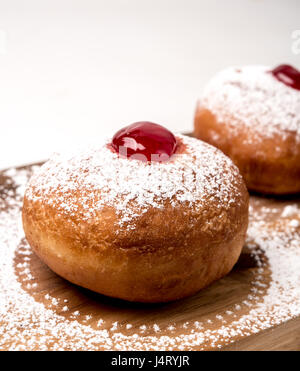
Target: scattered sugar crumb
point(156, 328)
point(294, 223)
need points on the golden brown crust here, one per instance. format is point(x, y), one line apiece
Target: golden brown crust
point(158, 262)
point(268, 165)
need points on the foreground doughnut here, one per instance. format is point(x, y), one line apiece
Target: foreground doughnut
point(140, 231)
point(253, 115)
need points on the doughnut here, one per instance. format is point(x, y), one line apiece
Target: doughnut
point(137, 229)
point(252, 114)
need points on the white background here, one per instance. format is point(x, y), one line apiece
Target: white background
point(73, 71)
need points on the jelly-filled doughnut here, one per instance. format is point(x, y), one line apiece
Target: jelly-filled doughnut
point(145, 216)
point(252, 114)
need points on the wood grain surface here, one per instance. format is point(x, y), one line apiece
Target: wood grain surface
point(211, 307)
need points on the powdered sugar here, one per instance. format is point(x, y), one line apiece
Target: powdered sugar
point(102, 178)
point(36, 317)
point(252, 96)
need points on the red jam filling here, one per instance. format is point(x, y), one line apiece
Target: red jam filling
point(288, 75)
point(145, 141)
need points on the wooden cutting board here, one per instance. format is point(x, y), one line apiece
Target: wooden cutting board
point(247, 310)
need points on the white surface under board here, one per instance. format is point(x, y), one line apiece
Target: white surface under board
point(73, 71)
